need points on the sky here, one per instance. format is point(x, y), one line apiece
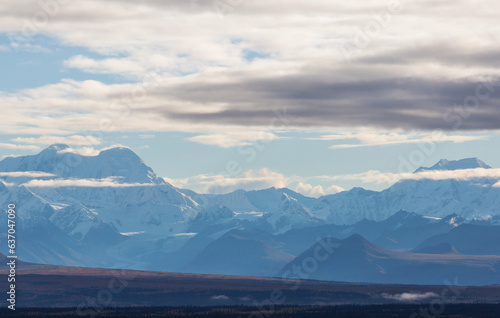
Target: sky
point(312, 95)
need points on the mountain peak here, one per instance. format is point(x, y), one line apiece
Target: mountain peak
point(53, 149)
point(118, 149)
point(56, 147)
point(118, 162)
point(358, 245)
point(355, 240)
point(50, 153)
point(468, 163)
point(122, 152)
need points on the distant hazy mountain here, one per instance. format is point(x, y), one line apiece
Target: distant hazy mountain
point(241, 252)
point(357, 260)
point(468, 239)
point(402, 231)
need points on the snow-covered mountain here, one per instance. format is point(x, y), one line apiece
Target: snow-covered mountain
point(113, 196)
point(475, 198)
point(435, 198)
point(59, 160)
point(134, 199)
point(112, 210)
point(291, 214)
point(468, 163)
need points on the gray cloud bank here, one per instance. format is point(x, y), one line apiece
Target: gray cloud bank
point(330, 64)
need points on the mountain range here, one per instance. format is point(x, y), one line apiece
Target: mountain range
point(357, 260)
point(111, 210)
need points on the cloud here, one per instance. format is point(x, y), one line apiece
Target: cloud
point(84, 183)
point(333, 189)
point(105, 66)
point(18, 147)
point(9, 156)
point(265, 178)
point(316, 191)
point(24, 47)
point(91, 151)
point(28, 174)
point(431, 80)
point(7, 184)
point(410, 296)
point(82, 151)
point(497, 185)
point(387, 177)
point(248, 180)
point(460, 174)
point(220, 297)
point(75, 140)
point(147, 136)
point(370, 138)
point(235, 139)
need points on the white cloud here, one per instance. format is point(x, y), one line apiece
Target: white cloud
point(10, 156)
point(333, 189)
point(265, 178)
point(248, 180)
point(18, 147)
point(75, 140)
point(82, 151)
point(91, 151)
point(220, 297)
point(309, 190)
point(27, 174)
point(316, 191)
point(85, 183)
point(370, 138)
point(116, 146)
point(235, 139)
point(26, 47)
point(180, 182)
point(105, 66)
point(410, 296)
point(7, 184)
point(387, 177)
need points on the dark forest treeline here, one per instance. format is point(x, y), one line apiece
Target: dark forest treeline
point(344, 311)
